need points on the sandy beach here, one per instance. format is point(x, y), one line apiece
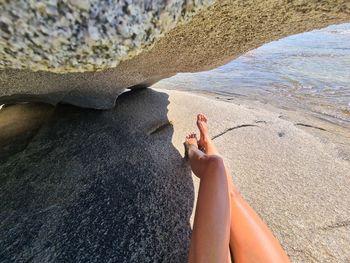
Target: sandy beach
point(293, 169)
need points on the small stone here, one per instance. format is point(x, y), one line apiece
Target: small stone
point(93, 32)
point(36, 58)
point(41, 7)
point(81, 4)
point(124, 31)
point(5, 19)
point(51, 10)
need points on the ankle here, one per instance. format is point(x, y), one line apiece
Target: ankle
point(192, 147)
point(207, 141)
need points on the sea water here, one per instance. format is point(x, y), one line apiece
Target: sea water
point(309, 71)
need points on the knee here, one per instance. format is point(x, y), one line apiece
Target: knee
point(215, 162)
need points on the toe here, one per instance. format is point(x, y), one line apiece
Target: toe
point(200, 116)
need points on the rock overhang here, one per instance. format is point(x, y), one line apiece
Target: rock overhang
point(210, 36)
point(84, 35)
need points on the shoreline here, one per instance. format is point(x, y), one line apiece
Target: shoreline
point(342, 121)
point(332, 130)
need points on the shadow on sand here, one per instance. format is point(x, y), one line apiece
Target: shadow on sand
point(98, 186)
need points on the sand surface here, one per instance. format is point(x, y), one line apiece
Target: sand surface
point(292, 168)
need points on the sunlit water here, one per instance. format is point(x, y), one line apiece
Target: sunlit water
point(309, 71)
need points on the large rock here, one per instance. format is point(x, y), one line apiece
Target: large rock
point(84, 35)
point(111, 186)
point(95, 186)
point(211, 38)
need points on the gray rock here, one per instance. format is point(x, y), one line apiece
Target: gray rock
point(84, 35)
point(97, 186)
point(211, 38)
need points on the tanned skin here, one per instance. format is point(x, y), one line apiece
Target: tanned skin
point(226, 228)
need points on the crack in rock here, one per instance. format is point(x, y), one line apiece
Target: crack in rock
point(310, 126)
point(159, 127)
point(233, 128)
point(261, 121)
point(336, 225)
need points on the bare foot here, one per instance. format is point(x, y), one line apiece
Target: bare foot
point(202, 124)
point(191, 141)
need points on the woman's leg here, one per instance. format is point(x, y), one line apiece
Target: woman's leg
point(211, 228)
point(250, 238)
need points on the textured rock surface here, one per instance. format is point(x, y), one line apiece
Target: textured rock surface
point(82, 35)
point(213, 37)
point(97, 186)
point(19, 124)
point(111, 186)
